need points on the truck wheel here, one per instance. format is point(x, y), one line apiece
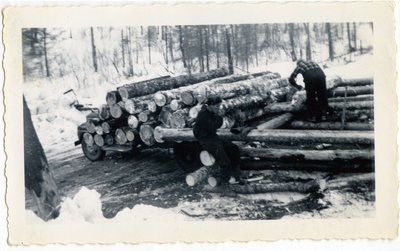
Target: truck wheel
point(93, 152)
point(187, 154)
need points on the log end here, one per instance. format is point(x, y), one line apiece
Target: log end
point(190, 180)
point(187, 98)
point(123, 92)
point(158, 134)
point(120, 136)
point(99, 140)
point(212, 181)
point(133, 122)
point(206, 158)
point(160, 99)
point(146, 134)
point(88, 138)
point(130, 106)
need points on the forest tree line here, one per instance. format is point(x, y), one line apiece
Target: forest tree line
point(124, 51)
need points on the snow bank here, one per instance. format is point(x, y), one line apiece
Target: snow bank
point(85, 207)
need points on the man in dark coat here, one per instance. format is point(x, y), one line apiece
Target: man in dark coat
point(226, 154)
point(315, 85)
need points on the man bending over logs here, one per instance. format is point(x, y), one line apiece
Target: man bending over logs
point(315, 85)
point(226, 154)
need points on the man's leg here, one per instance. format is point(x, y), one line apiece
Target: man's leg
point(322, 95)
point(311, 99)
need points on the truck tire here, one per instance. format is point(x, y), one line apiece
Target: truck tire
point(187, 155)
point(94, 152)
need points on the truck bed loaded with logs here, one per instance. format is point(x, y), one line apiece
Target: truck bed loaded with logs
point(161, 112)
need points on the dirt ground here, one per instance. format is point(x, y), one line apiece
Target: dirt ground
point(152, 177)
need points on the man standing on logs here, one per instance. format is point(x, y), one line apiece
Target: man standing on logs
point(315, 85)
point(226, 154)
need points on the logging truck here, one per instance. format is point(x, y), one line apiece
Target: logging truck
point(161, 112)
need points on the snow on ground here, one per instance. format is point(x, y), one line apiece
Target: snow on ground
point(85, 207)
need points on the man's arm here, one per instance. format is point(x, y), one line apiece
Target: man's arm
point(292, 78)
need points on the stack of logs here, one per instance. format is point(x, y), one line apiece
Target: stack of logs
point(133, 111)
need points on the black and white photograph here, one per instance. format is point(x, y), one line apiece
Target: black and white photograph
point(199, 122)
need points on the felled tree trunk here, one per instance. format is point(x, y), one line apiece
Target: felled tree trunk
point(351, 181)
point(300, 155)
point(301, 187)
point(357, 82)
point(351, 91)
point(39, 179)
point(352, 105)
point(331, 126)
point(275, 122)
point(366, 97)
point(146, 134)
point(113, 97)
point(277, 135)
point(197, 176)
point(145, 88)
point(242, 102)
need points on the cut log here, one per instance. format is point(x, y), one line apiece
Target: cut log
point(145, 88)
point(367, 97)
point(352, 105)
point(213, 181)
point(357, 82)
point(98, 140)
point(331, 126)
point(146, 116)
point(197, 176)
point(242, 102)
point(133, 122)
point(194, 111)
point(352, 180)
point(99, 130)
point(152, 106)
point(277, 135)
point(104, 112)
point(176, 105)
point(88, 138)
point(165, 116)
point(113, 97)
point(206, 158)
point(275, 122)
point(354, 115)
point(110, 125)
point(320, 166)
point(146, 133)
point(118, 110)
point(351, 91)
point(180, 119)
point(109, 140)
point(124, 135)
point(300, 155)
point(301, 187)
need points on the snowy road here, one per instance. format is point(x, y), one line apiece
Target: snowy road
point(152, 177)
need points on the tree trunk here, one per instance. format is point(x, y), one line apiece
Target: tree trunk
point(165, 36)
point(124, 135)
point(207, 45)
point(349, 38)
point(357, 82)
point(180, 119)
point(300, 155)
point(146, 116)
point(149, 42)
point(133, 122)
point(146, 134)
point(171, 45)
point(355, 35)
point(367, 97)
point(351, 181)
point(275, 122)
point(308, 42)
point(129, 44)
point(99, 140)
point(331, 126)
point(353, 105)
point(200, 46)
point(104, 112)
point(39, 179)
point(242, 103)
point(277, 135)
point(46, 61)
point(330, 41)
point(150, 87)
point(118, 110)
point(229, 52)
point(291, 38)
point(216, 44)
point(123, 48)
point(294, 186)
point(351, 91)
point(197, 176)
point(256, 43)
point(319, 166)
point(181, 46)
point(94, 55)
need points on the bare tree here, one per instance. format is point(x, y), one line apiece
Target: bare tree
point(292, 44)
point(330, 41)
point(181, 46)
point(229, 52)
point(308, 41)
point(94, 56)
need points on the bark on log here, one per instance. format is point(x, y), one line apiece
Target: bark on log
point(301, 187)
point(146, 133)
point(301, 155)
point(141, 89)
point(331, 126)
point(165, 116)
point(352, 105)
point(113, 97)
point(351, 91)
point(242, 102)
point(180, 119)
point(354, 115)
point(38, 175)
point(357, 82)
point(366, 97)
point(349, 181)
point(197, 176)
point(139, 104)
point(275, 122)
point(277, 135)
point(320, 166)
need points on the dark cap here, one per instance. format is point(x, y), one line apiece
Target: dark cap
point(213, 100)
